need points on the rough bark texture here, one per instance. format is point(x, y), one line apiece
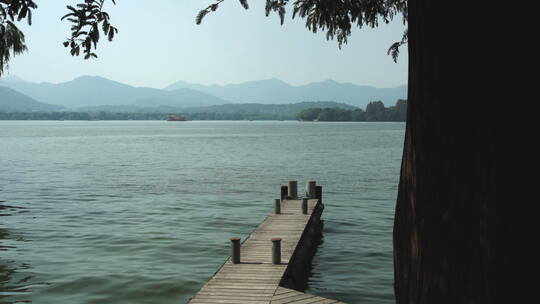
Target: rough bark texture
point(444, 232)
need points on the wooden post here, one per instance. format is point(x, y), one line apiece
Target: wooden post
point(293, 189)
point(304, 205)
point(235, 246)
point(284, 191)
point(311, 189)
point(318, 193)
point(276, 251)
point(277, 207)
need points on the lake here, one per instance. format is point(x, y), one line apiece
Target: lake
point(142, 211)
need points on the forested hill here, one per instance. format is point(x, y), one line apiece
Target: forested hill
point(375, 111)
point(221, 112)
point(279, 109)
point(327, 111)
point(270, 111)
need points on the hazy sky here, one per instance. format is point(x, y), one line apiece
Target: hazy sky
point(159, 43)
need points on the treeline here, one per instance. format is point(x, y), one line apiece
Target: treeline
point(239, 116)
point(80, 116)
point(137, 116)
point(375, 111)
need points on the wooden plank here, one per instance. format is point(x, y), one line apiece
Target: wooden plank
point(285, 295)
point(289, 297)
point(256, 280)
point(282, 290)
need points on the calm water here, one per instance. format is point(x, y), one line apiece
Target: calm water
point(141, 212)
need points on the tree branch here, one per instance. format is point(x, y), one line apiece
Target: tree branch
point(87, 18)
point(335, 17)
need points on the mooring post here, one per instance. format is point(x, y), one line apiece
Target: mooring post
point(277, 207)
point(304, 205)
point(235, 246)
point(284, 191)
point(293, 187)
point(276, 251)
point(318, 193)
point(311, 189)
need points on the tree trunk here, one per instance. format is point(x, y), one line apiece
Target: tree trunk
point(444, 230)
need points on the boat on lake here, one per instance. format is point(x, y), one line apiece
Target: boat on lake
point(177, 118)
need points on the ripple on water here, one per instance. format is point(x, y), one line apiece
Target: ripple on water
point(141, 212)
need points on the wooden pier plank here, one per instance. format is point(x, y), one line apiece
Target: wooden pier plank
point(256, 280)
point(285, 295)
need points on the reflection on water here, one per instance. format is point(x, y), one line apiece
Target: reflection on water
point(141, 212)
point(14, 277)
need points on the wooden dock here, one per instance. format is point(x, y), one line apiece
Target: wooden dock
point(274, 259)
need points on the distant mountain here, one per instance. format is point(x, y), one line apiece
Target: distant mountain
point(276, 91)
point(11, 101)
point(90, 91)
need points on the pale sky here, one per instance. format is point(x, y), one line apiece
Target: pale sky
point(159, 43)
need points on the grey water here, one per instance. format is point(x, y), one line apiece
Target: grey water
point(141, 212)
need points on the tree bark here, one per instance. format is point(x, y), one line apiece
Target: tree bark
point(444, 229)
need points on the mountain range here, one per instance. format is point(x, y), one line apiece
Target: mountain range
point(88, 91)
point(279, 92)
point(11, 100)
point(94, 91)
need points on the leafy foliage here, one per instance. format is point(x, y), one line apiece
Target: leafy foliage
point(375, 111)
point(394, 48)
point(213, 7)
point(11, 38)
point(336, 17)
point(87, 18)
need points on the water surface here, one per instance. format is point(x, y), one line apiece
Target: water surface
point(141, 212)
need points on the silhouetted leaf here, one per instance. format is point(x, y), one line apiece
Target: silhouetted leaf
point(88, 19)
point(200, 16)
point(244, 3)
